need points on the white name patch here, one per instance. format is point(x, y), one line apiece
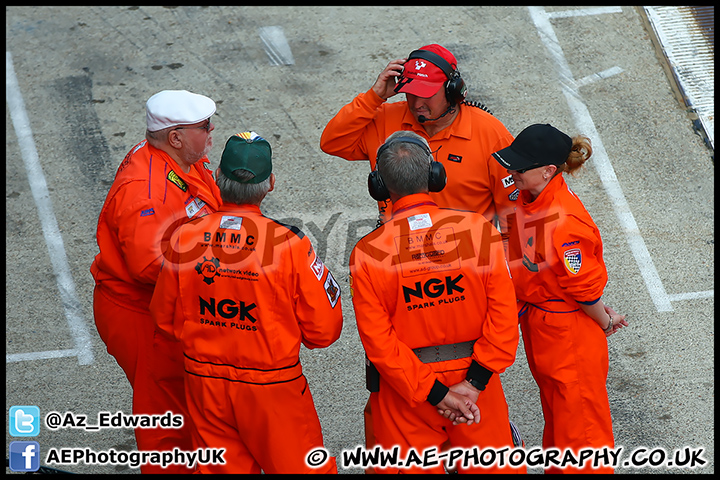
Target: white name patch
point(422, 220)
point(230, 222)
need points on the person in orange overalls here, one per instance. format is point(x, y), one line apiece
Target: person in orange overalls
point(436, 314)
point(556, 261)
point(462, 134)
point(241, 292)
point(163, 182)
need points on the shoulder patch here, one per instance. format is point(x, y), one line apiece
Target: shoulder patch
point(174, 178)
point(317, 267)
point(573, 260)
point(332, 289)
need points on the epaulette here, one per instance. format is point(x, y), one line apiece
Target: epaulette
point(292, 228)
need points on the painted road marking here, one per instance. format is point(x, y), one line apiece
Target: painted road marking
point(51, 232)
point(585, 124)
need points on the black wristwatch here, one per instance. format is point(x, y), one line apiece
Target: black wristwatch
point(478, 376)
point(475, 383)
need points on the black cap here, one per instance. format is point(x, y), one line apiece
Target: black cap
point(535, 146)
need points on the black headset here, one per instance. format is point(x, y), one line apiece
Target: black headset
point(455, 88)
point(437, 178)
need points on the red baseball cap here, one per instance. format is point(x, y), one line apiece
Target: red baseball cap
point(423, 78)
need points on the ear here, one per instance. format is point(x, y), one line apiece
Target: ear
point(272, 182)
point(175, 139)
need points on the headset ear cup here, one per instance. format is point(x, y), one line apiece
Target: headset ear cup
point(438, 177)
point(456, 91)
point(376, 187)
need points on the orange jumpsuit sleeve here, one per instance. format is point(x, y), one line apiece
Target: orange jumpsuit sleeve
point(167, 315)
point(143, 214)
point(395, 361)
point(496, 348)
point(141, 236)
point(344, 135)
point(504, 196)
point(317, 300)
point(581, 272)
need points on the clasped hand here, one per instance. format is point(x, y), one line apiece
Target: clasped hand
point(460, 404)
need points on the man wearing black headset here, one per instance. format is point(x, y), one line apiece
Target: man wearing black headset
point(436, 314)
point(461, 134)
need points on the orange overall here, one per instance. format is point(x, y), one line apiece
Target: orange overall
point(556, 263)
point(149, 198)
point(242, 292)
point(432, 277)
point(476, 182)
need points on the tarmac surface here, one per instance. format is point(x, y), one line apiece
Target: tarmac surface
point(77, 82)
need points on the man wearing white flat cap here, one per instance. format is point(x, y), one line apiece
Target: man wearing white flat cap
point(163, 182)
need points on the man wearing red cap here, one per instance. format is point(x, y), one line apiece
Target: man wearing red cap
point(242, 292)
point(163, 182)
point(461, 135)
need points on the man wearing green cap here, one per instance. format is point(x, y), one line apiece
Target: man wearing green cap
point(242, 292)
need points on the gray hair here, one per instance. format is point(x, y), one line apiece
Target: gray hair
point(232, 191)
point(159, 137)
point(403, 166)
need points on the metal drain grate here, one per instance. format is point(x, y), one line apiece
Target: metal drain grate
point(686, 38)
point(705, 17)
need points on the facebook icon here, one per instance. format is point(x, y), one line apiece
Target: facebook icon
point(24, 456)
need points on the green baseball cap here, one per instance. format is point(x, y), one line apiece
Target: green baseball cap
point(247, 151)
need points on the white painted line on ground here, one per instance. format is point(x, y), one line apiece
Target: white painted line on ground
point(692, 295)
point(51, 232)
point(585, 124)
point(584, 12)
point(276, 45)
point(599, 76)
point(24, 357)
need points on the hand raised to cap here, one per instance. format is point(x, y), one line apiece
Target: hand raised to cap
point(385, 84)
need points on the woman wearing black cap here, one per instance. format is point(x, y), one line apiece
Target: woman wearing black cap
point(556, 261)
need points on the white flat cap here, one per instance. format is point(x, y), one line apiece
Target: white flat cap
point(177, 107)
